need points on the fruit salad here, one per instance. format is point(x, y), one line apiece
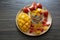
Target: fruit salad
point(33, 19)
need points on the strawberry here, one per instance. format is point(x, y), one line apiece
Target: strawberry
point(45, 19)
point(26, 9)
point(45, 13)
point(46, 24)
point(41, 29)
point(43, 22)
point(32, 25)
point(33, 6)
point(31, 30)
point(39, 5)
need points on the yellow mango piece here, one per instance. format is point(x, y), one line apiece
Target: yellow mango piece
point(38, 9)
point(45, 28)
point(24, 28)
point(20, 24)
point(27, 24)
point(38, 32)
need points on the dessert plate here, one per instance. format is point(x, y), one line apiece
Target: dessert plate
point(24, 25)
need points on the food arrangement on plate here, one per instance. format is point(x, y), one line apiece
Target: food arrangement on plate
point(33, 20)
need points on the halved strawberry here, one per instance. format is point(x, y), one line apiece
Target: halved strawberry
point(32, 25)
point(41, 29)
point(45, 19)
point(26, 9)
point(46, 24)
point(33, 6)
point(45, 13)
point(39, 5)
point(31, 30)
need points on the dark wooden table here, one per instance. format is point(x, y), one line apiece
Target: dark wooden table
point(8, 11)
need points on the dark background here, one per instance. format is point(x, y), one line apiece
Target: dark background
point(8, 11)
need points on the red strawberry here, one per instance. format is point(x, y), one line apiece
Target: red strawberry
point(43, 22)
point(31, 30)
point(45, 13)
point(45, 19)
point(33, 6)
point(46, 24)
point(41, 29)
point(32, 25)
point(39, 5)
point(26, 9)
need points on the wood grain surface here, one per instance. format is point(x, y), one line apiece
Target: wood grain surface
point(8, 11)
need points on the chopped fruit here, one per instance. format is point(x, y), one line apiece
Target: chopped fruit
point(45, 28)
point(20, 25)
point(23, 21)
point(39, 10)
point(24, 28)
point(45, 19)
point(32, 25)
point(46, 24)
point(27, 24)
point(43, 22)
point(34, 13)
point(33, 19)
point(31, 30)
point(42, 10)
point(38, 32)
point(45, 14)
point(39, 5)
point(41, 29)
point(33, 6)
point(35, 26)
point(26, 9)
